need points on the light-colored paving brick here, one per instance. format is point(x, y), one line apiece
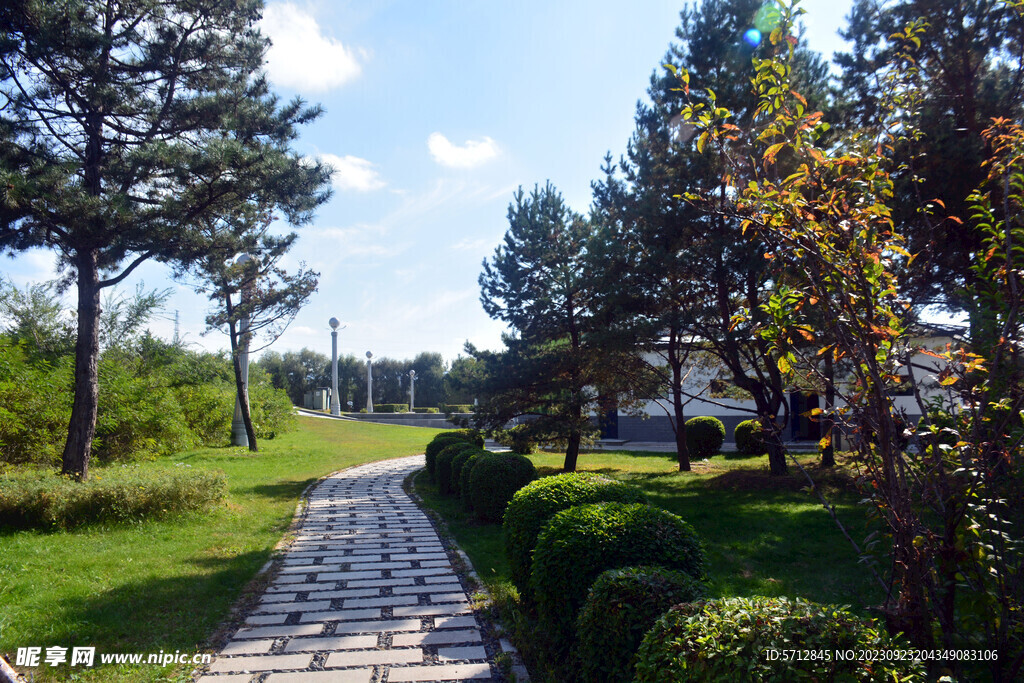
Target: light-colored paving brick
point(444, 672)
point(247, 647)
point(370, 657)
point(230, 678)
point(455, 622)
point(461, 653)
point(261, 663)
point(265, 619)
point(346, 676)
point(431, 610)
point(279, 631)
point(295, 606)
point(377, 626)
point(334, 643)
point(436, 637)
point(340, 615)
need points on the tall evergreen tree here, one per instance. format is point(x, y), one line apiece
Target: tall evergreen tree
point(678, 272)
point(537, 283)
point(971, 69)
point(123, 126)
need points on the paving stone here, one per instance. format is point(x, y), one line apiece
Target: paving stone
point(344, 676)
point(261, 663)
point(349, 593)
point(377, 626)
point(461, 653)
point(232, 678)
point(365, 566)
point(420, 556)
point(445, 577)
point(388, 601)
point(445, 672)
point(423, 572)
point(336, 643)
point(369, 657)
point(340, 615)
point(399, 590)
point(431, 610)
point(279, 597)
point(455, 622)
point(436, 637)
point(348, 576)
point(279, 631)
point(436, 563)
point(266, 619)
point(407, 581)
point(312, 606)
point(447, 597)
point(247, 647)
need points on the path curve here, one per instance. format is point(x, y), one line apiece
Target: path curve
point(366, 595)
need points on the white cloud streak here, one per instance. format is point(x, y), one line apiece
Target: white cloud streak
point(468, 155)
point(300, 56)
point(353, 173)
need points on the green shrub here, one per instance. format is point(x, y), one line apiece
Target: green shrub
point(580, 543)
point(270, 408)
point(728, 639)
point(534, 504)
point(115, 494)
point(472, 435)
point(443, 465)
point(467, 470)
point(451, 408)
point(34, 406)
point(518, 440)
point(424, 410)
point(749, 440)
point(436, 445)
point(704, 436)
point(391, 408)
point(494, 480)
point(622, 606)
point(458, 462)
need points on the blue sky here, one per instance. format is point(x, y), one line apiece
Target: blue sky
point(435, 113)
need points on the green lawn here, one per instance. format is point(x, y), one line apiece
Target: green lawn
point(763, 535)
point(167, 585)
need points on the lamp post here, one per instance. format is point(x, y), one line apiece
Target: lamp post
point(335, 400)
point(369, 382)
point(412, 391)
point(238, 434)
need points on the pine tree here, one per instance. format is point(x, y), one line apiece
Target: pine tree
point(124, 127)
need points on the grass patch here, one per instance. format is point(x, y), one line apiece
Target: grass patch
point(168, 584)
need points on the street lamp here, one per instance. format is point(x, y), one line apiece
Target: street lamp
point(412, 390)
point(238, 434)
point(335, 401)
point(369, 382)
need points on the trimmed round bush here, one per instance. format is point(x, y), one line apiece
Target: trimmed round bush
point(518, 440)
point(727, 639)
point(580, 543)
point(494, 480)
point(704, 436)
point(458, 462)
point(472, 435)
point(749, 440)
point(622, 606)
point(443, 465)
point(537, 502)
point(467, 469)
point(437, 444)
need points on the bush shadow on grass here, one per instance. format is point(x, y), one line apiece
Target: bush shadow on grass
point(169, 614)
point(281, 490)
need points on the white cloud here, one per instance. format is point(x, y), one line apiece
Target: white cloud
point(472, 153)
point(353, 173)
point(469, 244)
point(300, 56)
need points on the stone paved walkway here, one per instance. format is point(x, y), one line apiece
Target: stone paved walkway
point(366, 595)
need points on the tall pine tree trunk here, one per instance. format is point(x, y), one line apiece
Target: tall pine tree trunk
point(84, 409)
point(241, 386)
point(682, 450)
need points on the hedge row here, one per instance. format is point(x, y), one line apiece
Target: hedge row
point(484, 481)
point(391, 408)
point(114, 494)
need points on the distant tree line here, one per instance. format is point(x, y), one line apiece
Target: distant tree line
point(298, 372)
